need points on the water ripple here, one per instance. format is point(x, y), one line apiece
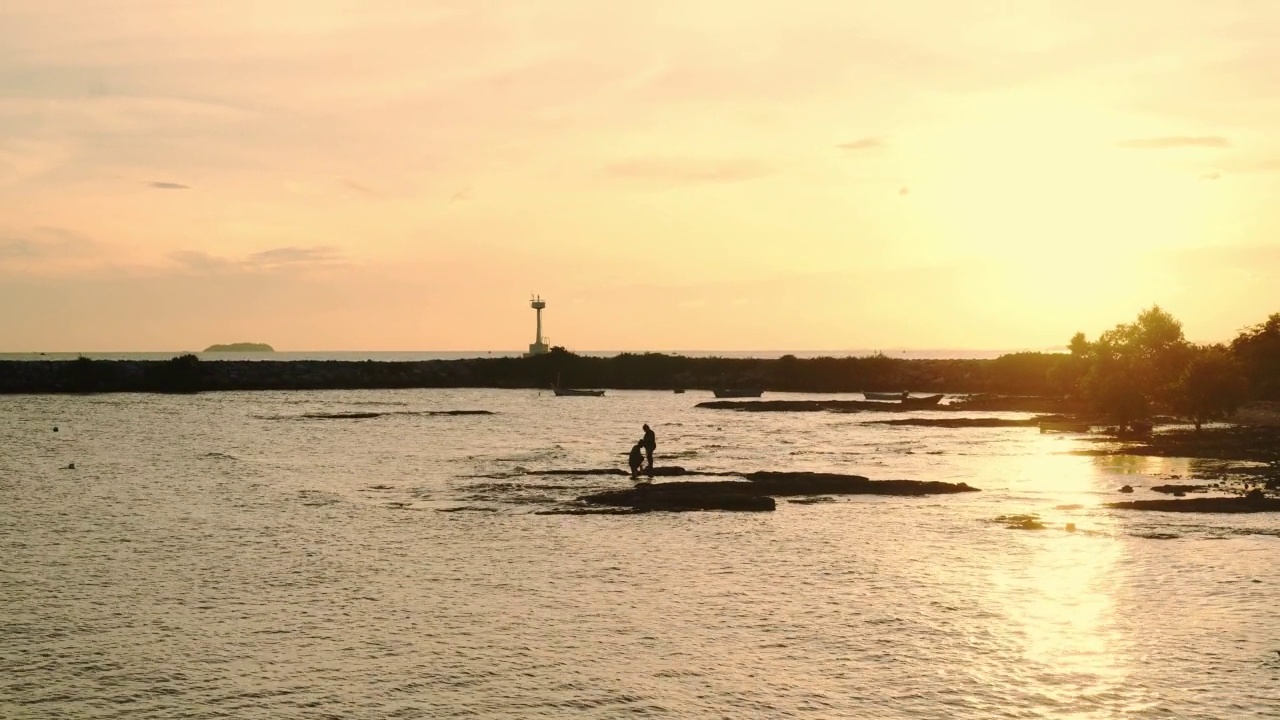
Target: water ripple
point(202, 563)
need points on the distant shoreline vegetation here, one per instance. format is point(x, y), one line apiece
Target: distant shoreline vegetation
point(240, 347)
point(1129, 373)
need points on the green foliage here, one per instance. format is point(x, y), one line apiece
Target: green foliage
point(1212, 386)
point(179, 374)
point(1132, 366)
point(1258, 350)
point(82, 375)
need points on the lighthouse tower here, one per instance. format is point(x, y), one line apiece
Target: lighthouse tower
point(539, 346)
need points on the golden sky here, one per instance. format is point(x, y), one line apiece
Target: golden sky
point(701, 174)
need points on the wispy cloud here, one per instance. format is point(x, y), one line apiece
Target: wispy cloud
point(44, 242)
point(161, 185)
point(1174, 142)
point(866, 143)
point(201, 261)
point(277, 257)
point(282, 258)
point(684, 171)
point(359, 187)
point(1210, 176)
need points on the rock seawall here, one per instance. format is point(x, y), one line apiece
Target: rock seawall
point(626, 371)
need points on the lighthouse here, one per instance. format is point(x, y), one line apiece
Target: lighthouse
point(539, 346)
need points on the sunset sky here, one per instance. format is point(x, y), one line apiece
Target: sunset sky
point(702, 174)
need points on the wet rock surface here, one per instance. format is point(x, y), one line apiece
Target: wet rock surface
point(1251, 503)
point(807, 405)
point(1180, 489)
point(958, 422)
point(1252, 443)
point(755, 492)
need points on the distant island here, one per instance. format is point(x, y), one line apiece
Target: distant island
point(240, 347)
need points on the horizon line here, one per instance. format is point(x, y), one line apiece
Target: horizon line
point(678, 351)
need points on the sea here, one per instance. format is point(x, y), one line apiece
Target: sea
point(367, 554)
point(414, 355)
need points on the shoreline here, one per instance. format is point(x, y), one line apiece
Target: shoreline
point(1019, 376)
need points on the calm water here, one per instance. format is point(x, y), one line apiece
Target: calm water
point(224, 555)
point(409, 355)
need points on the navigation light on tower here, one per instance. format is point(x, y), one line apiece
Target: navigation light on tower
point(539, 346)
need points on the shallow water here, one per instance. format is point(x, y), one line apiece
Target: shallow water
point(222, 555)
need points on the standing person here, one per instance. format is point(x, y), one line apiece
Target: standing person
point(650, 442)
point(635, 460)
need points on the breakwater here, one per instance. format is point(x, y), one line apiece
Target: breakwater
point(1020, 374)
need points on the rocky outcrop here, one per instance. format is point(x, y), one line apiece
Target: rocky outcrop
point(1252, 443)
point(958, 422)
point(651, 371)
point(685, 496)
point(1254, 502)
point(1179, 489)
point(1017, 403)
point(810, 406)
point(755, 494)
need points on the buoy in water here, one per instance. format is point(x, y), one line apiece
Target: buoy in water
point(1071, 527)
point(55, 428)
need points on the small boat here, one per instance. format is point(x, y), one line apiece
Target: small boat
point(927, 401)
point(886, 396)
point(571, 392)
point(737, 393)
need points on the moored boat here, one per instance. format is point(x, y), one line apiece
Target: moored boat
point(571, 392)
point(886, 396)
point(926, 401)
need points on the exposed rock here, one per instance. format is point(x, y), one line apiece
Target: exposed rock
point(1126, 489)
point(813, 483)
point(957, 422)
point(685, 496)
point(1021, 522)
point(1249, 504)
point(650, 371)
point(799, 405)
point(662, 471)
point(1014, 403)
point(1253, 443)
point(757, 493)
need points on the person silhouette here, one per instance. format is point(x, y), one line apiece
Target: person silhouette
point(649, 442)
point(635, 460)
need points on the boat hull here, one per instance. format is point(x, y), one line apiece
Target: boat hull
point(927, 401)
point(569, 392)
point(884, 396)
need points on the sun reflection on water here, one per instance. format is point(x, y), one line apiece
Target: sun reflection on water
point(1059, 598)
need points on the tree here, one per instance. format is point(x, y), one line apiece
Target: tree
point(1258, 350)
point(1115, 389)
point(1133, 365)
point(1212, 386)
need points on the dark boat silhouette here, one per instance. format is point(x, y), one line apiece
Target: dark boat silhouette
point(927, 401)
point(886, 396)
point(572, 392)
